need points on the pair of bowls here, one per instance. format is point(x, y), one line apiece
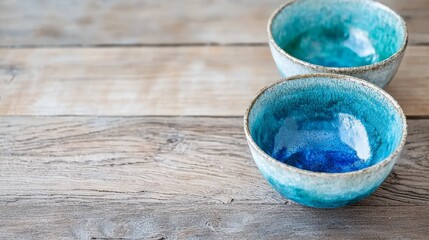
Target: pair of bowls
point(323, 137)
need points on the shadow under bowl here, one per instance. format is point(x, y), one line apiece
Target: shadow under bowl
point(360, 38)
point(325, 140)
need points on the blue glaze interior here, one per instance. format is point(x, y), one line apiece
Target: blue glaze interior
point(323, 124)
point(338, 33)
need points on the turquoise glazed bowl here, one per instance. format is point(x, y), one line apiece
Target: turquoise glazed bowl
point(325, 140)
point(359, 38)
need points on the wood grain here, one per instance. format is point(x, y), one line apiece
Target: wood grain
point(162, 160)
point(96, 22)
point(106, 220)
point(210, 80)
point(128, 176)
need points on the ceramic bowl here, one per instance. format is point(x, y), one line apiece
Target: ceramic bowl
point(325, 140)
point(359, 38)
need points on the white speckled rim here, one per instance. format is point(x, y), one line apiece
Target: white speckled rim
point(365, 84)
point(341, 70)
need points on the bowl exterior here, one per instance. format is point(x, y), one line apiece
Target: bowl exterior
point(321, 190)
point(380, 75)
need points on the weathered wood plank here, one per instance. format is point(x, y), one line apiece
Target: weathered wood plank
point(169, 160)
point(161, 81)
point(106, 220)
point(93, 22)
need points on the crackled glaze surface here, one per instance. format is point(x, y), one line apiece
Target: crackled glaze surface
point(358, 38)
point(335, 46)
point(325, 140)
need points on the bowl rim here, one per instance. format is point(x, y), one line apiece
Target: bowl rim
point(368, 85)
point(341, 70)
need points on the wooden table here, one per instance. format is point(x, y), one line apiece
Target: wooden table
point(123, 120)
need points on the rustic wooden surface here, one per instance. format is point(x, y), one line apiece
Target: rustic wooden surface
point(102, 220)
point(162, 160)
point(174, 177)
point(122, 120)
point(211, 80)
point(96, 22)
